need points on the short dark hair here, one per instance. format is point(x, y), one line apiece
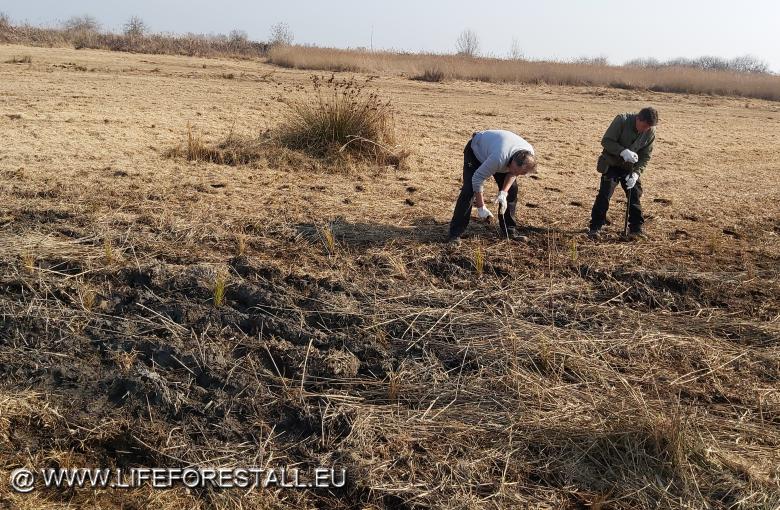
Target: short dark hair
point(649, 115)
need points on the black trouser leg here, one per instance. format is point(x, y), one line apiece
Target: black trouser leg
point(635, 218)
point(609, 180)
point(507, 221)
point(462, 215)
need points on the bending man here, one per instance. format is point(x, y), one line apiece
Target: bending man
point(504, 156)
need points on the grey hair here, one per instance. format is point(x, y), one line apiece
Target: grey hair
point(523, 157)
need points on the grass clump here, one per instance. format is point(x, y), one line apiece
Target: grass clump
point(479, 261)
point(328, 239)
point(342, 125)
point(28, 262)
point(25, 59)
point(233, 150)
point(109, 254)
point(220, 286)
point(344, 119)
point(431, 74)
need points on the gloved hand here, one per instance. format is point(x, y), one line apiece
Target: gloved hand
point(500, 201)
point(631, 180)
point(629, 156)
point(484, 213)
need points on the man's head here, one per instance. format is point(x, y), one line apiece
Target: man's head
point(522, 163)
point(647, 118)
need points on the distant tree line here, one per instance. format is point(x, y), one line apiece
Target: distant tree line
point(743, 64)
point(468, 44)
point(86, 32)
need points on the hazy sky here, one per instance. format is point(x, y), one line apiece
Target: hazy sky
point(619, 30)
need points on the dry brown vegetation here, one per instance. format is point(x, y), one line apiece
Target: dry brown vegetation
point(680, 75)
point(333, 124)
point(668, 79)
point(159, 311)
point(84, 36)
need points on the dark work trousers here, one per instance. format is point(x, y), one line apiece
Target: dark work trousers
point(609, 181)
point(462, 214)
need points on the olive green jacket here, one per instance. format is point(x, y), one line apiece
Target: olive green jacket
point(622, 134)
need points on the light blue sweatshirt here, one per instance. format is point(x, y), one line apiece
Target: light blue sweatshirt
point(494, 148)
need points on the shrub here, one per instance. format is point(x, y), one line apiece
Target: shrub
point(85, 23)
point(281, 35)
point(467, 43)
point(135, 27)
point(83, 32)
point(25, 59)
point(432, 74)
point(743, 64)
point(344, 118)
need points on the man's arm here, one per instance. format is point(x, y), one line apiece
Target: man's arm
point(510, 179)
point(479, 198)
point(485, 170)
point(612, 135)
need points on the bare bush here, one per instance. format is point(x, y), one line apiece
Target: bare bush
point(743, 64)
point(281, 34)
point(651, 63)
point(515, 51)
point(592, 61)
point(749, 64)
point(467, 43)
point(85, 23)
point(135, 27)
point(81, 32)
point(238, 37)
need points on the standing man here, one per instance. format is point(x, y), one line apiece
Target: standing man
point(504, 156)
point(628, 144)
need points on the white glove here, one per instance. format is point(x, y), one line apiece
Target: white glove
point(484, 213)
point(631, 180)
point(500, 201)
point(629, 156)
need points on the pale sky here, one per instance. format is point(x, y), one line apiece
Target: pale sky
point(560, 29)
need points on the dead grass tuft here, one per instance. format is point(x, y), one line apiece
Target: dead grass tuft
point(26, 59)
point(340, 126)
point(220, 286)
point(432, 74)
point(343, 117)
point(233, 150)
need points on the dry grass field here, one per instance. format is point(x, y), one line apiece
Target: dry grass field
point(161, 312)
point(432, 67)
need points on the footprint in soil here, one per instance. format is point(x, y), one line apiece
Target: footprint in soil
point(555, 190)
point(663, 201)
point(576, 203)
